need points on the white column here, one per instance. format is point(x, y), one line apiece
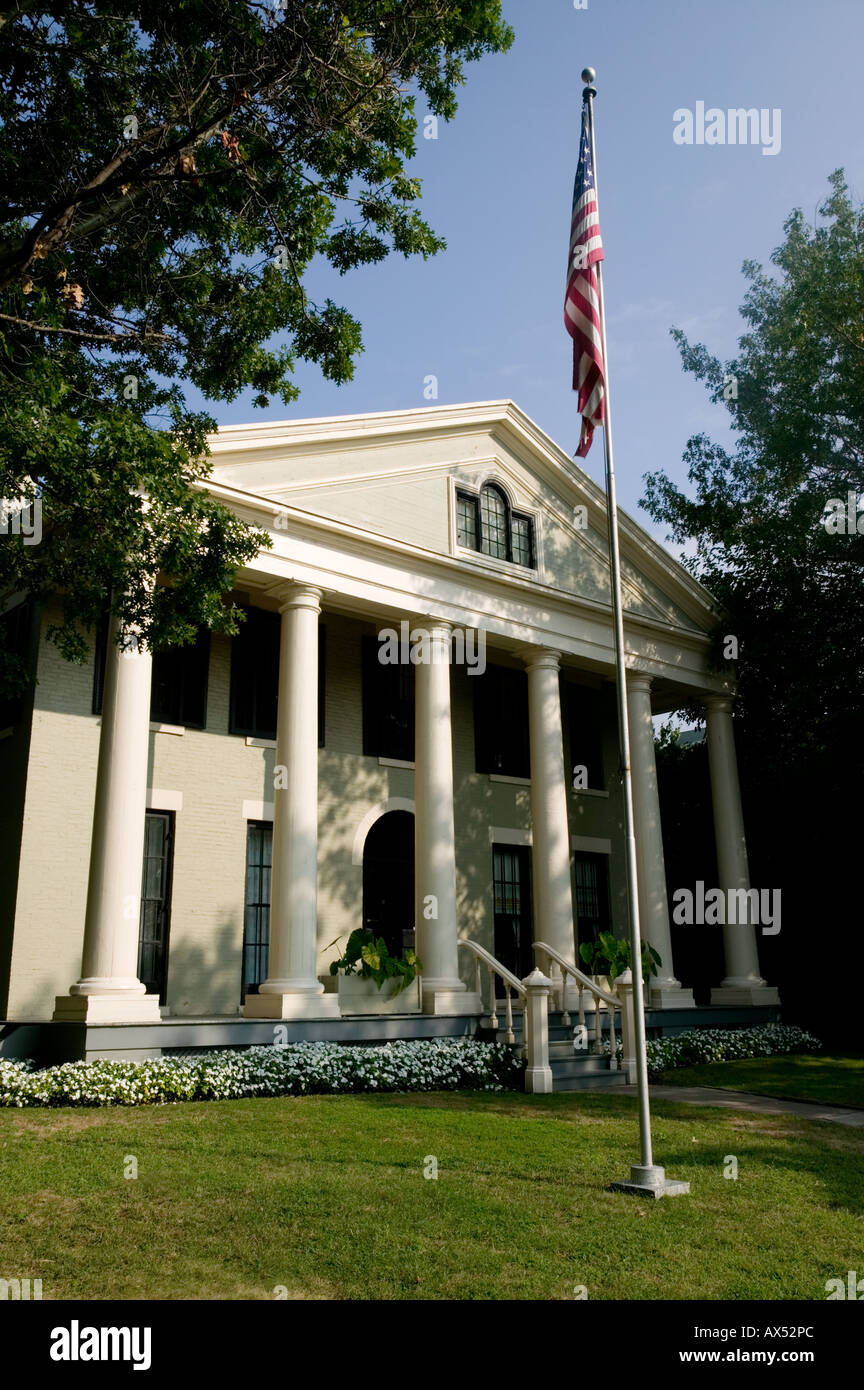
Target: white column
point(665, 991)
point(436, 918)
point(109, 990)
point(743, 983)
point(550, 854)
point(292, 988)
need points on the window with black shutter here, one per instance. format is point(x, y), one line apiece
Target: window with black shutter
point(388, 706)
point(255, 675)
point(178, 692)
point(584, 712)
point(501, 722)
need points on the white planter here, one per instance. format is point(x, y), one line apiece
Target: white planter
point(359, 996)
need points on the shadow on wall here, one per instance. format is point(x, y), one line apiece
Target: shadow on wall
point(205, 981)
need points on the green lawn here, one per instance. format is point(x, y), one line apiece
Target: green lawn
point(326, 1196)
point(831, 1080)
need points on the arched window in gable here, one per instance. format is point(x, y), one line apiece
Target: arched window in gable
point(486, 522)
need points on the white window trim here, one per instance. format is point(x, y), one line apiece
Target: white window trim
point(509, 781)
point(396, 762)
point(589, 844)
point(257, 810)
point(158, 799)
point(178, 729)
point(501, 835)
point(260, 742)
point(464, 552)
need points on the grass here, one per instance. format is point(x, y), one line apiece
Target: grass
point(325, 1196)
point(829, 1080)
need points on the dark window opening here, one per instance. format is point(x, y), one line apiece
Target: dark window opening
point(511, 889)
point(155, 919)
point(592, 896)
point(584, 716)
point(178, 692)
point(501, 743)
point(256, 921)
point(255, 676)
point(388, 706)
point(388, 881)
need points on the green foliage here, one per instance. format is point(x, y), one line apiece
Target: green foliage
point(611, 956)
point(168, 172)
point(368, 956)
point(793, 594)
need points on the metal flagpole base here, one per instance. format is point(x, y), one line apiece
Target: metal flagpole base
point(650, 1182)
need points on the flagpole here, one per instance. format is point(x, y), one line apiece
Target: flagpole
point(646, 1177)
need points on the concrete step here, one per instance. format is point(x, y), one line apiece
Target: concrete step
point(580, 1066)
point(604, 1081)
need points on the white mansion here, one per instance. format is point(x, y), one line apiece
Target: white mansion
point(283, 787)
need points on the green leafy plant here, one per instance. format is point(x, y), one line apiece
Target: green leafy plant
point(609, 955)
point(368, 956)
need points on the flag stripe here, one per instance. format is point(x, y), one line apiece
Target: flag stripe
point(581, 300)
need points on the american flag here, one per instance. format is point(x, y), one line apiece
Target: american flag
point(581, 303)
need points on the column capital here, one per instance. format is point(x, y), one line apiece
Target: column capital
point(299, 595)
point(541, 658)
point(722, 704)
point(639, 680)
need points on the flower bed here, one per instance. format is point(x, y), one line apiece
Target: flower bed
point(702, 1045)
point(304, 1068)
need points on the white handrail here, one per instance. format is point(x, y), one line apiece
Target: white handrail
point(494, 968)
point(585, 982)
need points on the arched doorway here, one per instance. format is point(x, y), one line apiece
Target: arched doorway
point(388, 880)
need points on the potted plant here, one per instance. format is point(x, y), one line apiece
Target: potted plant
point(609, 956)
point(370, 980)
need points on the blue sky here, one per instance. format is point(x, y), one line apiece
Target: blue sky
point(485, 316)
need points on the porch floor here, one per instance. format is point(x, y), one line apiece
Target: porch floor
point(50, 1042)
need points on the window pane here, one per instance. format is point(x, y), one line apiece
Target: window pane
point(523, 541)
point(256, 926)
point(466, 521)
point(493, 517)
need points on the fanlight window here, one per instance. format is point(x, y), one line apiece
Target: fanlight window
point(487, 523)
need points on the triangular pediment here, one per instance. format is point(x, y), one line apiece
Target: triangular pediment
point(396, 475)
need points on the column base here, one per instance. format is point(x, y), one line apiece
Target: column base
point(737, 996)
point(107, 1008)
point(445, 999)
point(292, 1006)
point(538, 1081)
point(670, 996)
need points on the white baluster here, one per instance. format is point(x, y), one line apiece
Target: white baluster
point(511, 1036)
point(613, 1041)
point(565, 1016)
point(493, 1017)
point(598, 1021)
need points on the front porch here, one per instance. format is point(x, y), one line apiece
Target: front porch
point(48, 1043)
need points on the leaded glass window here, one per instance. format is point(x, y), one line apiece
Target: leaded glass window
point(493, 523)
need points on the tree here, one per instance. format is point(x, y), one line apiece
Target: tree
point(792, 585)
point(169, 169)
